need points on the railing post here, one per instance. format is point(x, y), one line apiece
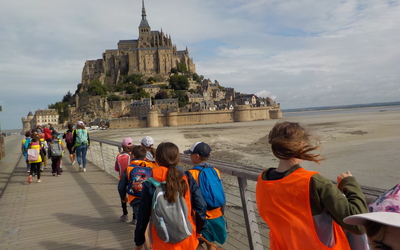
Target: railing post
point(253, 232)
point(102, 155)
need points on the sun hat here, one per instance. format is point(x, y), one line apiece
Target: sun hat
point(147, 141)
point(126, 142)
point(385, 210)
point(80, 123)
point(200, 148)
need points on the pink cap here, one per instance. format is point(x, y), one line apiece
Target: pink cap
point(127, 142)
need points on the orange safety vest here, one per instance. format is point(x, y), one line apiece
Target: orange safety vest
point(285, 206)
point(191, 242)
point(210, 214)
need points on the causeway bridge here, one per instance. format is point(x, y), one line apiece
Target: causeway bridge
point(81, 210)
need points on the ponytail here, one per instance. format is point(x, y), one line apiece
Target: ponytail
point(167, 155)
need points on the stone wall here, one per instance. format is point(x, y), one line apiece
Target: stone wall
point(241, 113)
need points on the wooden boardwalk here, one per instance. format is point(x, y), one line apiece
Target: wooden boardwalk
point(78, 210)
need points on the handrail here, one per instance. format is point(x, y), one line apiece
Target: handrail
point(239, 195)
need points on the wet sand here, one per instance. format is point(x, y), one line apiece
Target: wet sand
point(367, 144)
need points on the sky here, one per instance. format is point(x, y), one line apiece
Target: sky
point(301, 53)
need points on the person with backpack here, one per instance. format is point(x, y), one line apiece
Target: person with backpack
point(55, 153)
point(169, 200)
point(35, 153)
point(43, 143)
point(148, 143)
point(68, 136)
point(303, 209)
point(24, 148)
point(209, 180)
point(81, 143)
point(122, 161)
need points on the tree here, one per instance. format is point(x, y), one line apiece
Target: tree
point(161, 95)
point(68, 97)
point(179, 82)
point(182, 97)
point(140, 93)
point(135, 79)
point(96, 88)
point(181, 67)
point(151, 80)
point(113, 98)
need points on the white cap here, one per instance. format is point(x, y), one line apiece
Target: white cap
point(147, 141)
point(386, 218)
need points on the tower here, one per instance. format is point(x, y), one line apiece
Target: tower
point(144, 30)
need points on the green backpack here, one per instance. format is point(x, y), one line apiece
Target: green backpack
point(81, 136)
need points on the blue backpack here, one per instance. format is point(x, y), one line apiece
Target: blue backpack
point(136, 178)
point(211, 187)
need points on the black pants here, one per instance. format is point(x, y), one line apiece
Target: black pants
point(55, 165)
point(35, 168)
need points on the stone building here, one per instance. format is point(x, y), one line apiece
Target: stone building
point(41, 117)
point(152, 54)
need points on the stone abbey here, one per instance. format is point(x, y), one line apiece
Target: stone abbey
point(152, 54)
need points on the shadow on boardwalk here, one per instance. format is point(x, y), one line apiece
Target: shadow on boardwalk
point(75, 211)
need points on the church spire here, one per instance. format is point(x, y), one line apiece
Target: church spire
point(144, 23)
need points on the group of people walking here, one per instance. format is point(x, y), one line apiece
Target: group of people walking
point(177, 209)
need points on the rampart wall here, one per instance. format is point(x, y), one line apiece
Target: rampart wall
point(241, 113)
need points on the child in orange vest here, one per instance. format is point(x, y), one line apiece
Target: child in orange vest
point(122, 161)
point(303, 209)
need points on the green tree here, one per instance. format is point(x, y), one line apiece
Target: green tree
point(135, 79)
point(140, 93)
point(113, 98)
point(96, 88)
point(181, 67)
point(68, 97)
point(130, 88)
point(177, 82)
point(151, 80)
point(161, 95)
point(174, 71)
point(182, 97)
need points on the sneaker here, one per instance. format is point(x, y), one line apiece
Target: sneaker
point(80, 168)
point(41, 169)
point(39, 180)
point(73, 163)
point(54, 174)
point(133, 222)
point(58, 175)
point(29, 178)
point(124, 217)
point(84, 169)
point(28, 171)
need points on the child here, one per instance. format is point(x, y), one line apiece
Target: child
point(122, 161)
point(148, 143)
point(55, 156)
point(35, 164)
point(216, 224)
point(68, 137)
point(24, 148)
point(304, 203)
point(43, 143)
point(167, 157)
point(382, 224)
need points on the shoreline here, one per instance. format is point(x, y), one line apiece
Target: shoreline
point(366, 143)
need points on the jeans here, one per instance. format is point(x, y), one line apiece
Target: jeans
point(81, 155)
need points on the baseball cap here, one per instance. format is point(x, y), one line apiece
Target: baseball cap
point(200, 148)
point(127, 142)
point(80, 123)
point(147, 141)
point(385, 210)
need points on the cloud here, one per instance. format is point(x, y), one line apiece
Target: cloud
point(305, 53)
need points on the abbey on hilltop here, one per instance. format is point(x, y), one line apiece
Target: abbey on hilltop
point(152, 54)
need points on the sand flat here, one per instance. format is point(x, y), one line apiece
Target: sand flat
point(367, 144)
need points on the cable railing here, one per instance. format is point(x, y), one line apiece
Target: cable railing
point(246, 230)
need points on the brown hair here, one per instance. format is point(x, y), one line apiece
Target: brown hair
point(374, 228)
point(167, 155)
point(290, 140)
point(139, 152)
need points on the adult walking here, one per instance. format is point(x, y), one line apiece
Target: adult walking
point(68, 136)
point(81, 143)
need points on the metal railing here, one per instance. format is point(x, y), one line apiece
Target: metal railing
point(245, 228)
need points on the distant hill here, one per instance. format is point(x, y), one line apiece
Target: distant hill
point(352, 106)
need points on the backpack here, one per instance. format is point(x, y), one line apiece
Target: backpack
point(136, 178)
point(211, 187)
point(56, 149)
point(123, 160)
point(26, 145)
point(69, 137)
point(33, 154)
point(171, 220)
point(81, 136)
